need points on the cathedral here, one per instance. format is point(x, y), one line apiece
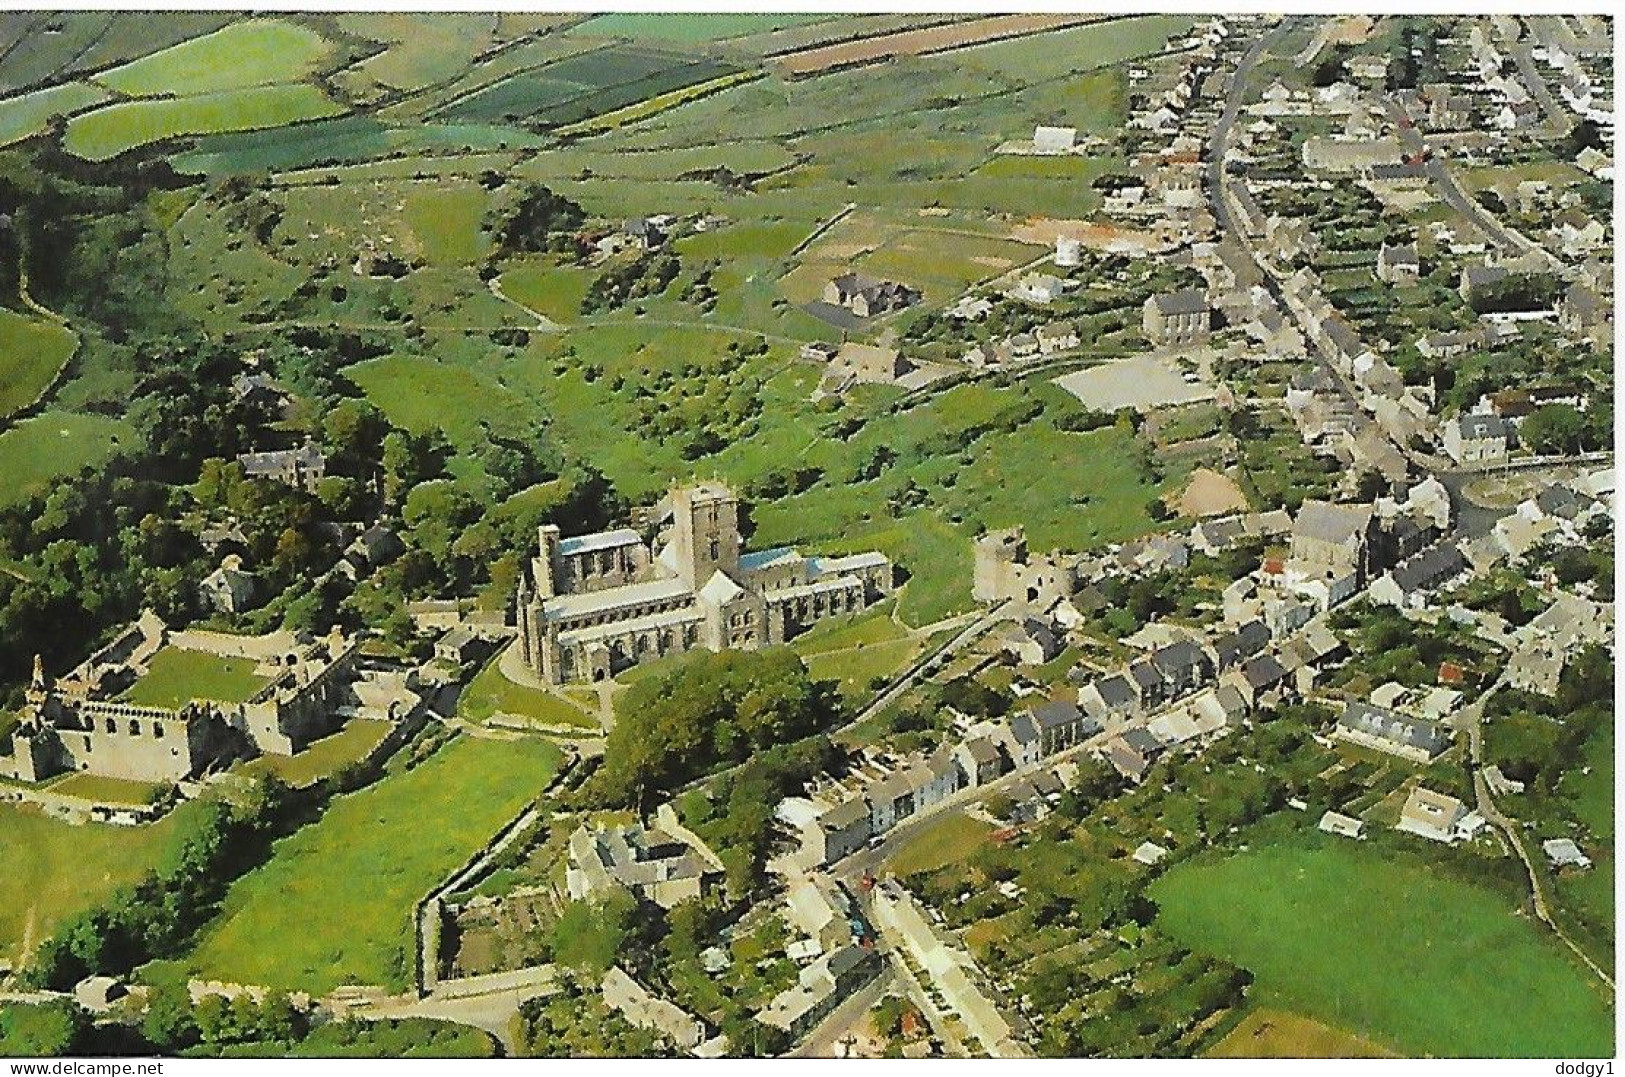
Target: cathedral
point(597, 604)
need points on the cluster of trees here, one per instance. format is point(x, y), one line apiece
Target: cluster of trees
point(1560, 430)
point(160, 915)
point(1514, 293)
point(650, 274)
point(574, 1023)
point(714, 709)
point(538, 220)
point(737, 819)
point(51, 1029)
point(1537, 740)
point(216, 1025)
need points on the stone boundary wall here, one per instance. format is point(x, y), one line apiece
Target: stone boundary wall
point(272, 645)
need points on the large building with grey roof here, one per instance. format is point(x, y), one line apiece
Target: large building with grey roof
point(596, 604)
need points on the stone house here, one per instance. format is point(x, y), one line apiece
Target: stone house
point(1177, 318)
point(1477, 439)
point(867, 297)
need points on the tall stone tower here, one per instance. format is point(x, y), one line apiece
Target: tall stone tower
point(705, 531)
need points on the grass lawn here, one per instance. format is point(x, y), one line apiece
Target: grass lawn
point(251, 53)
point(944, 842)
point(1267, 1033)
point(109, 131)
point(491, 693)
point(177, 676)
point(37, 452)
point(855, 669)
point(51, 870)
point(1389, 949)
point(334, 903)
point(31, 353)
point(105, 790)
point(324, 757)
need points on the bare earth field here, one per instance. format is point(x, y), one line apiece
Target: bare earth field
point(1144, 382)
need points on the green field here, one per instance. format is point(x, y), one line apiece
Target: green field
point(31, 353)
point(490, 693)
point(326, 756)
point(554, 291)
point(253, 53)
point(31, 113)
point(110, 131)
point(691, 29)
point(364, 865)
point(1388, 948)
point(944, 842)
point(446, 220)
point(51, 870)
point(177, 676)
point(37, 452)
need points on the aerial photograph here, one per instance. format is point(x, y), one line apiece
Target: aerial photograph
point(806, 535)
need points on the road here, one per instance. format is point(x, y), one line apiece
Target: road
point(1558, 115)
point(1437, 169)
point(823, 1040)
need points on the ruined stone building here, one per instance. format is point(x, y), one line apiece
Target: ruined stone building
point(596, 604)
point(80, 723)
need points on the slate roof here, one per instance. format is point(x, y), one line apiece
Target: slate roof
point(1184, 301)
point(1384, 724)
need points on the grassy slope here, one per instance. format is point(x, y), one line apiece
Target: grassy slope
point(31, 353)
point(252, 53)
point(1387, 949)
point(334, 904)
point(50, 870)
point(38, 451)
point(108, 132)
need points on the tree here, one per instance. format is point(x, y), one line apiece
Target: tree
point(43, 1030)
point(589, 935)
point(538, 220)
point(1554, 430)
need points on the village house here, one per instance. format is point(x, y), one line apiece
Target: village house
point(1385, 730)
point(1178, 318)
point(1407, 585)
point(228, 589)
point(863, 364)
point(1343, 826)
point(979, 760)
point(641, 1009)
point(819, 988)
point(1438, 817)
point(1039, 288)
point(1477, 439)
point(1056, 337)
point(1109, 699)
point(646, 861)
point(1332, 540)
point(1048, 141)
point(1398, 264)
point(304, 467)
point(1564, 853)
point(596, 604)
point(866, 297)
